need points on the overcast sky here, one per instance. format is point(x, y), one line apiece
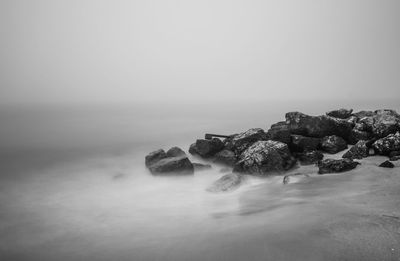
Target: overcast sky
point(117, 51)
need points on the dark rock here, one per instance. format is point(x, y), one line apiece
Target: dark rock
point(242, 141)
point(358, 151)
point(263, 157)
point(200, 166)
point(341, 113)
point(310, 157)
point(279, 132)
point(173, 165)
point(154, 157)
point(227, 182)
point(301, 143)
point(333, 144)
point(317, 126)
point(385, 122)
point(362, 114)
point(294, 178)
point(206, 148)
point(357, 135)
point(226, 157)
point(335, 166)
point(386, 164)
point(394, 158)
point(394, 153)
point(175, 152)
point(388, 144)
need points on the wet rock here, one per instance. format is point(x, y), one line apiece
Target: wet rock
point(386, 164)
point(394, 158)
point(242, 141)
point(385, 122)
point(333, 144)
point(200, 166)
point(154, 157)
point(358, 151)
point(226, 183)
point(175, 152)
point(294, 178)
point(341, 113)
point(263, 157)
point(172, 166)
point(301, 143)
point(335, 166)
point(206, 148)
point(226, 157)
point(357, 135)
point(279, 132)
point(394, 153)
point(310, 157)
point(388, 144)
point(317, 126)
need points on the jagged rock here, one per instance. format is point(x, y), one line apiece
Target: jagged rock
point(386, 164)
point(317, 126)
point(175, 152)
point(334, 166)
point(263, 157)
point(294, 178)
point(206, 148)
point(388, 144)
point(385, 123)
point(394, 158)
point(200, 166)
point(226, 183)
point(333, 144)
point(154, 157)
point(341, 113)
point(309, 157)
point(174, 165)
point(357, 135)
point(242, 141)
point(279, 132)
point(226, 157)
point(301, 143)
point(362, 114)
point(358, 151)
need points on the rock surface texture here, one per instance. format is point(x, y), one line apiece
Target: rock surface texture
point(333, 144)
point(174, 162)
point(358, 151)
point(334, 166)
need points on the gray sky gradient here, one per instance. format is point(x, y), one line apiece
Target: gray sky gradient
point(118, 51)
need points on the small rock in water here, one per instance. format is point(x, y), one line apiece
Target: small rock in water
point(227, 182)
point(394, 158)
point(155, 156)
point(173, 166)
point(333, 144)
point(358, 151)
point(294, 178)
point(200, 167)
point(335, 166)
point(386, 164)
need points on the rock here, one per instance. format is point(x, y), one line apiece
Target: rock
point(301, 143)
point(206, 148)
point(242, 141)
point(362, 114)
point(279, 132)
point(154, 157)
point(333, 144)
point(357, 135)
point(394, 158)
point(335, 166)
point(175, 152)
point(386, 164)
point(294, 178)
point(341, 113)
point(394, 153)
point(263, 157)
point(310, 157)
point(317, 126)
point(388, 144)
point(358, 151)
point(226, 157)
point(227, 182)
point(385, 122)
point(200, 166)
point(174, 165)
point(225, 170)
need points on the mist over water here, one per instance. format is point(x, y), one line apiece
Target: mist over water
point(73, 186)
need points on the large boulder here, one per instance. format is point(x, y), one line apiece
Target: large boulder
point(341, 113)
point(226, 183)
point(309, 157)
point(301, 143)
point(264, 157)
point(388, 144)
point(358, 151)
point(154, 157)
point(226, 157)
point(206, 148)
point(279, 132)
point(317, 126)
point(333, 144)
point(172, 162)
point(334, 166)
point(242, 141)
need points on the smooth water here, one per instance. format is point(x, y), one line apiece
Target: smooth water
point(73, 186)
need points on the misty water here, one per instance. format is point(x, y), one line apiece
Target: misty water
point(73, 186)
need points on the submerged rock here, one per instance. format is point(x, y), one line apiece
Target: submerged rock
point(154, 157)
point(226, 157)
point(334, 166)
point(388, 144)
point(333, 144)
point(279, 132)
point(263, 157)
point(173, 166)
point(394, 158)
point(206, 148)
point(301, 143)
point(200, 166)
point(226, 183)
point(242, 141)
point(294, 178)
point(341, 113)
point(386, 164)
point(310, 157)
point(358, 151)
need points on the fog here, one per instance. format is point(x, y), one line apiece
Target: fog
point(129, 51)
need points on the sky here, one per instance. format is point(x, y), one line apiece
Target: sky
point(169, 50)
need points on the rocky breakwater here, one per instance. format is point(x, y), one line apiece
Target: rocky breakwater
point(300, 139)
